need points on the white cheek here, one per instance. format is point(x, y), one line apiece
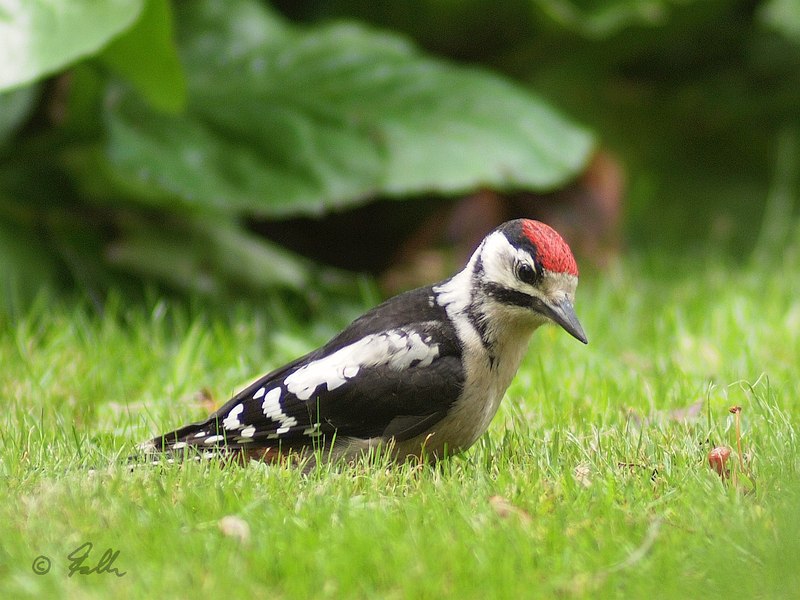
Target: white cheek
point(499, 265)
point(498, 258)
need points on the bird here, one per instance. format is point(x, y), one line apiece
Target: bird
point(418, 377)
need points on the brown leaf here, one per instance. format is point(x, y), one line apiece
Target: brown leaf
point(717, 459)
point(505, 509)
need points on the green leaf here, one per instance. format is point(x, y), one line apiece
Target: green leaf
point(39, 37)
point(783, 16)
point(15, 106)
point(283, 120)
point(146, 56)
point(209, 256)
point(603, 19)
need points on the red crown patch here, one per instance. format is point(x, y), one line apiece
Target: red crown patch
point(554, 254)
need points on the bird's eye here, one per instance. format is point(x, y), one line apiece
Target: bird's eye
point(526, 273)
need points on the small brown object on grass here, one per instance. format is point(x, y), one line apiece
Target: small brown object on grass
point(717, 459)
point(505, 509)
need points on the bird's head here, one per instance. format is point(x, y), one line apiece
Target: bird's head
point(524, 272)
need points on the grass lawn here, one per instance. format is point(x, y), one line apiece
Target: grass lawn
point(592, 481)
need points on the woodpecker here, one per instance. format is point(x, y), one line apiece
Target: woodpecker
point(421, 375)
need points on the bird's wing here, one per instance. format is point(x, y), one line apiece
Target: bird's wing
point(391, 381)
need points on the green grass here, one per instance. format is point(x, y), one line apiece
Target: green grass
point(605, 491)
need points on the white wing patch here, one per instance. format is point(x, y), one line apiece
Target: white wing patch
point(398, 349)
point(272, 410)
point(272, 405)
point(232, 420)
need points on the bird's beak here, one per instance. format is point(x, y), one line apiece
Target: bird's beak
point(562, 312)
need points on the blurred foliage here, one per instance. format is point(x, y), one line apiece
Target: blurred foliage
point(693, 95)
point(39, 37)
point(147, 158)
point(783, 16)
point(354, 113)
point(137, 137)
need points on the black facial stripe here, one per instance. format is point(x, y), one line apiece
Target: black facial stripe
point(477, 269)
point(481, 326)
point(474, 315)
point(512, 297)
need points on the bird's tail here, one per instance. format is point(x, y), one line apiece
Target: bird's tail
point(199, 441)
point(188, 442)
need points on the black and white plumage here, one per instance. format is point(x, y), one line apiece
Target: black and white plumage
point(421, 375)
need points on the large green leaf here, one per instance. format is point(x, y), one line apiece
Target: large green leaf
point(783, 16)
point(147, 57)
point(211, 257)
point(15, 106)
point(283, 120)
point(39, 37)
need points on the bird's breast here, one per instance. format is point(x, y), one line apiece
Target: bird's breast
point(485, 385)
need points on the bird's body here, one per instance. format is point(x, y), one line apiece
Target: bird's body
point(421, 375)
